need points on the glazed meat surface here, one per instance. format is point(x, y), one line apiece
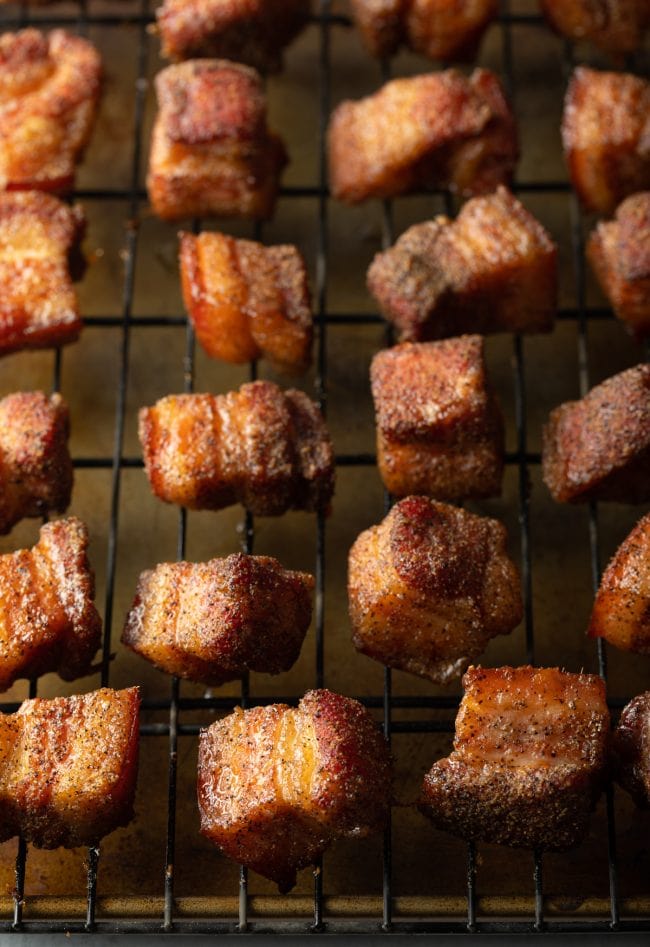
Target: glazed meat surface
point(617, 26)
point(598, 448)
point(439, 425)
point(247, 301)
point(38, 237)
point(632, 749)
point(212, 622)
point(619, 251)
point(492, 269)
point(212, 153)
point(68, 768)
point(431, 131)
point(606, 136)
point(621, 612)
point(429, 587)
point(529, 758)
point(48, 621)
point(277, 785)
point(260, 446)
point(254, 32)
point(49, 91)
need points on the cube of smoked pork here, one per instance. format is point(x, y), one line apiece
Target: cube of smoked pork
point(619, 251)
point(616, 26)
point(621, 612)
point(49, 91)
point(254, 32)
point(36, 470)
point(39, 237)
point(68, 767)
point(529, 759)
point(439, 425)
point(429, 587)
point(260, 446)
point(493, 269)
point(212, 153)
point(212, 622)
point(438, 29)
point(246, 300)
point(605, 131)
point(277, 785)
point(631, 746)
point(598, 448)
point(48, 621)
point(432, 131)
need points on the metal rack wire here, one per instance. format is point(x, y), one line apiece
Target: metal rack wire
point(522, 459)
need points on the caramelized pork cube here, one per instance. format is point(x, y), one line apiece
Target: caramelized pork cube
point(439, 425)
point(529, 759)
point(212, 153)
point(598, 448)
point(493, 269)
point(49, 91)
point(254, 32)
point(429, 587)
point(621, 612)
point(212, 622)
point(35, 465)
point(68, 767)
point(266, 448)
point(619, 251)
point(277, 785)
point(606, 135)
point(247, 301)
point(381, 24)
point(48, 621)
point(38, 238)
point(632, 749)
point(616, 26)
point(432, 131)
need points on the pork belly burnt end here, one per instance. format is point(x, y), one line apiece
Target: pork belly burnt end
point(39, 237)
point(212, 622)
point(619, 251)
point(429, 587)
point(48, 621)
point(616, 26)
point(450, 32)
point(35, 465)
point(439, 425)
point(68, 768)
point(277, 785)
point(49, 90)
point(247, 301)
point(432, 131)
point(606, 136)
point(632, 749)
point(493, 269)
point(212, 153)
point(254, 32)
point(621, 612)
point(529, 759)
point(260, 446)
point(598, 448)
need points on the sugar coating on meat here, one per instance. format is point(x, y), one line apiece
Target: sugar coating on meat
point(616, 26)
point(631, 749)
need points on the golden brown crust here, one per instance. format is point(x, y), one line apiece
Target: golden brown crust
point(266, 448)
point(68, 768)
point(277, 785)
point(435, 130)
point(529, 758)
point(631, 746)
point(599, 448)
point(247, 301)
point(617, 26)
point(493, 269)
point(212, 622)
point(606, 136)
point(439, 425)
point(211, 150)
point(429, 587)
point(49, 90)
